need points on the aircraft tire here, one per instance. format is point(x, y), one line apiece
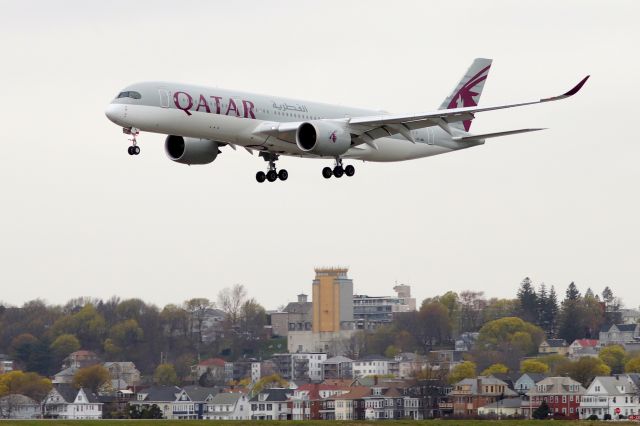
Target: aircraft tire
point(338, 171)
point(349, 170)
point(327, 172)
point(260, 177)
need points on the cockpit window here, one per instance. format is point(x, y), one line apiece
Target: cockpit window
point(129, 94)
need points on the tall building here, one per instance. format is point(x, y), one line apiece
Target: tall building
point(296, 316)
point(332, 315)
point(370, 312)
point(332, 300)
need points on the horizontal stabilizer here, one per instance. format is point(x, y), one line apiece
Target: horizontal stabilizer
point(473, 138)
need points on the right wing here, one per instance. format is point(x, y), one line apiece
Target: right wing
point(369, 128)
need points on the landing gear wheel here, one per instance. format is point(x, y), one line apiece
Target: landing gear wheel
point(327, 173)
point(283, 174)
point(272, 176)
point(130, 150)
point(338, 171)
point(136, 150)
point(349, 170)
point(260, 177)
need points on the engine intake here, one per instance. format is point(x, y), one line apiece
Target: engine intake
point(190, 150)
point(321, 138)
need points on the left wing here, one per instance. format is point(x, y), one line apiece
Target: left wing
point(370, 128)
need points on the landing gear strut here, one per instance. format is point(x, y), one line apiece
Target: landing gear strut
point(272, 174)
point(134, 149)
point(338, 170)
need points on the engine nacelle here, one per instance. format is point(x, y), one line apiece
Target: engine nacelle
point(321, 138)
point(190, 150)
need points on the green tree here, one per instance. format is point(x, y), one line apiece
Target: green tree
point(555, 362)
point(495, 369)
point(464, 370)
point(64, 345)
point(528, 301)
point(584, 369)
point(268, 382)
point(571, 321)
point(165, 375)
point(533, 366)
point(87, 325)
point(614, 356)
point(542, 412)
point(391, 351)
point(123, 336)
point(30, 384)
point(633, 365)
point(435, 325)
point(509, 333)
point(92, 377)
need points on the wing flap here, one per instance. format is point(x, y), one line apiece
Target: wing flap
point(484, 136)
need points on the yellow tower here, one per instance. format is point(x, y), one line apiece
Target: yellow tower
point(332, 299)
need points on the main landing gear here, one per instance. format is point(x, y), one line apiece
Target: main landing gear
point(272, 174)
point(134, 149)
point(338, 170)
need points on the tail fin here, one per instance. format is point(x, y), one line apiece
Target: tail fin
point(467, 92)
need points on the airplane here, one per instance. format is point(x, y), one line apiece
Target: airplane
point(199, 120)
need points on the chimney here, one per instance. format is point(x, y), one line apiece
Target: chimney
point(302, 298)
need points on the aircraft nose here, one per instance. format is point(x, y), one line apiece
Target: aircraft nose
point(115, 113)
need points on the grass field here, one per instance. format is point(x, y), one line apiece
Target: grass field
point(301, 423)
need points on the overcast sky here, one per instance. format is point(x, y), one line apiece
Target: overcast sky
point(80, 217)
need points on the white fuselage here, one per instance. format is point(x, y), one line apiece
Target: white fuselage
point(232, 117)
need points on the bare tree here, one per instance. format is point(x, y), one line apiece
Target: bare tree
point(230, 300)
point(197, 309)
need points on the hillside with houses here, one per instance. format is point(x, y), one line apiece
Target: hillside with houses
point(359, 357)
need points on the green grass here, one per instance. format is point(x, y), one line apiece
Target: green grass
point(297, 422)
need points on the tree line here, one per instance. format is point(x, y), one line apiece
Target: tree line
point(39, 336)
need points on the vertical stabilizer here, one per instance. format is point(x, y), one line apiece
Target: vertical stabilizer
point(468, 90)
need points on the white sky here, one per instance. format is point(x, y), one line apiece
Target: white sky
point(79, 216)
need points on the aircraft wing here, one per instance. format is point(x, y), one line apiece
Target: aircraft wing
point(373, 127)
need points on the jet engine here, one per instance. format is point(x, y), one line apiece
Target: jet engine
point(190, 150)
point(322, 138)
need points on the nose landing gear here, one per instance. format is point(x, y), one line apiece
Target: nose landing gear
point(338, 171)
point(134, 149)
point(272, 174)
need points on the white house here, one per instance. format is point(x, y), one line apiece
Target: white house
point(315, 363)
point(527, 381)
point(228, 406)
point(19, 407)
point(613, 395)
point(373, 365)
point(67, 403)
point(271, 404)
point(172, 401)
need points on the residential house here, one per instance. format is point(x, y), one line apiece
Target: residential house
point(509, 378)
point(614, 396)
point(200, 397)
point(125, 373)
point(6, 364)
point(350, 405)
point(171, 400)
point(19, 407)
point(271, 404)
point(228, 406)
point(580, 344)
point(208, 324)
point(374, 365)
point(510, 407)
point(619, 334)
point(305, 402)
point(384, 403)
point(337, 367)
point(410, 364)
point(215, 365)
point(300, 365)
point(65, 402)
point(64, 376)
point(630, 316)
point(433, 399)
point(470, 394)
point(81, 359)
point(554, 346)
point(562, 395)
point(466, 341)
point(527, 381)
point(445, 360)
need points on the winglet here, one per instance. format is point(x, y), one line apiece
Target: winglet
point(571, 92)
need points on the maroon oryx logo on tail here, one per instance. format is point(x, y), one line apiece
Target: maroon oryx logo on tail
point(333, 137)
point(466, 97)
